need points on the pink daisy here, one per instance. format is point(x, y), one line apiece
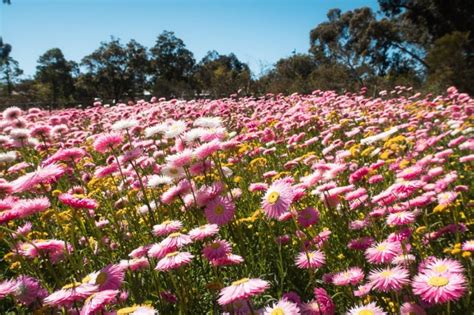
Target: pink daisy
point(468, 245)
point(11, 113)
point(98, 301)
point(167, 227)
point(216, 249)
point(383, 252)
point(174, 260)
point(108, 278)
point(44, 175)
point(443, 265)
point(77, 202)
point(28, 290)
point(160, 251)
point(389, 279)
point(7, 287)
point(227, 260)
point(401, 218)
point(412, 308)
point(106, 142)
point(369, 309)
point(242, 289)
point(352, 276)
point(176, 240)
point(278, 198)
point(282, 307)
point(70, 294)
point(203, 231)
point(434, 287)
point(308, 217)
point(310, 260)
point(207, 149)
point(220, 210)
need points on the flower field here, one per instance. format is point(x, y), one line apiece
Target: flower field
point(314, 204)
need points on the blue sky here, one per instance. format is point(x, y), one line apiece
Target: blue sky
point(258, 31)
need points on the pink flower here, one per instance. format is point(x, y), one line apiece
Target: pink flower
point(433, 287)
point(370, 308)
point(11, 113)
point(174, 260)
point(412, 308)
point(443, 265)
point(383, 252)
point(278, 198)
point(167, 227)
point(77, 202)
point(227, 260)
point(307, 217)
point(207, 149)
point(325, 302)
point(28, 290)
point(7, 287)
point(106, 142)
point(389, 279)
point(242, 289)
point(401, 218)
point(220, 210)
point(310, 259)
point(45, 175)
point(217, 249)
point(70, 294)
point(108, 278)
point(351, 276)
point(98, 301)
point(53, 249)
point(284, 307)
point(468, 245)
point(203, 231)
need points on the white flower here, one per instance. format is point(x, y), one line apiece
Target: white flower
point(173, 172)
point(124, 124)
point(19, 133)
point(380, 136)
point(208, 122)
point(157, 180)
point(153, 130)
point(175, 129)
point(194, 134)
point(9, 156)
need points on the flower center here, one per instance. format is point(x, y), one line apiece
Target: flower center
point(440, 268)
point(176, 234)
point(278, 311)
point(219, 209)
point(101, 278)
point(238, 282)
point(166, 222)
point(71, 285)
point(386, 273)
point(366, 312)
point(172, 254)
point(438, 281)
point(215, 245)
point(273, 197)
point(381, 248)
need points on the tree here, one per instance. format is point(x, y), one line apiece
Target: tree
point(114, 71)
point(10, 71)
point(363, 44)
point(55, 73)
point(222, 75)
point(172, 67)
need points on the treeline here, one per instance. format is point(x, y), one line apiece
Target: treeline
point(426, 44)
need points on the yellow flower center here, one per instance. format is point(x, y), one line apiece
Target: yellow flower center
point(101, 278)
point(71, 285)
point(238, 282)
point(219, 209)
point(166, 222)
point(176, 234)
point(273, 197)
point(440, 268)
point(438, 281)
point(215, 245)
point(366, 312)
point(386, 274)
point(381, 248)
point(278, 311)
point(172, 254)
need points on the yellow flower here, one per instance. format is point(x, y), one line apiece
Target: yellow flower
point(455, 251)
point(466, 254)
point(15, 265)
point(421, 229)
point(56, 192)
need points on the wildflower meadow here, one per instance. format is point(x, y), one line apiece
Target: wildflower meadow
point(300, 204)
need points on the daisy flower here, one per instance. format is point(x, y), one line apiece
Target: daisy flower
point(389, 279)
point(158, 180)
point(468, 245)
point(433, 287)
point(307, 217)
point(174, 260)
point(278, 198)
point(412, 308)
point(167, 227)
point(208, 122)
point(203, 231)
point(369, 309)
point(220, 210)
point(282, 307)
point(383, 252)
point(43, 175)
point(242, 289)
point(351, 276)
point(175, 129)
point(98, 301)
point(228, 260)
point(106, 142)
point(28, 290)
point(217, 249)
point(11, 113)
point(69, 294)
point(401, 218)
point(7, 287)
point(77, 202)
point(108, 278)
point(443, 265)
point(124, 124)
point(310, 259)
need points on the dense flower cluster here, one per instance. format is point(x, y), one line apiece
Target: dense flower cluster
point(303, 204)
